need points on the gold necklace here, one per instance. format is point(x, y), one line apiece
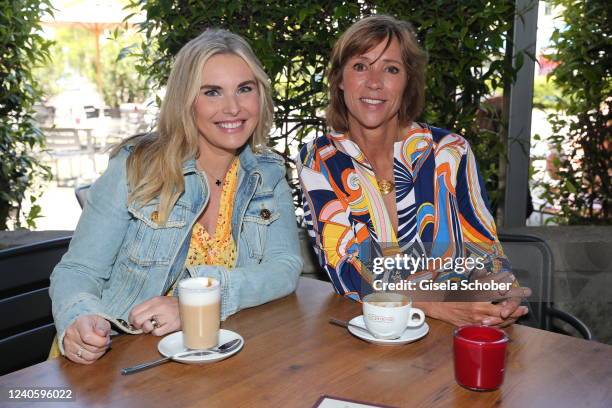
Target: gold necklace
point(385, 186)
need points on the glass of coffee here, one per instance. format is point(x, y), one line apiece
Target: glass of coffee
point(200, 311)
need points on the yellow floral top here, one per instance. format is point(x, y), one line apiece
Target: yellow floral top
point(204, 249)
point(221, 249)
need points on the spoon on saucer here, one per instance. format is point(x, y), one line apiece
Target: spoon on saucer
point(342, 323)
point(222, 349)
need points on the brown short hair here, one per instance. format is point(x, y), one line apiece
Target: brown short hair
point(362, 36)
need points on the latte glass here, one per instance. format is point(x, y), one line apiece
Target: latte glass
point(199, 307)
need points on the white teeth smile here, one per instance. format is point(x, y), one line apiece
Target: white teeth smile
point(230, 125)
point(372, 101)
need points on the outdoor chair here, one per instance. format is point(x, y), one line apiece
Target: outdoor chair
point(26, 327)
point(311, 268)
point(65, 143)
point(532, 264)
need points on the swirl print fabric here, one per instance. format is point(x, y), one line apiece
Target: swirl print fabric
point(441, 206)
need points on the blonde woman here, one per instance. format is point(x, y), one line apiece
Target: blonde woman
point(199, 197)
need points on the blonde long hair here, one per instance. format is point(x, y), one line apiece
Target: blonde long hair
point(155, 166)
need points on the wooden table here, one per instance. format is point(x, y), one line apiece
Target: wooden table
point(292, 356)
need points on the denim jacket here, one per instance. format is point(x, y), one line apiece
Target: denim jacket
point(120, 257)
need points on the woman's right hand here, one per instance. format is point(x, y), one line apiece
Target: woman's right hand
point(87, 339)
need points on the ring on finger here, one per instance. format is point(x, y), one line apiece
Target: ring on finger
point(154, 322)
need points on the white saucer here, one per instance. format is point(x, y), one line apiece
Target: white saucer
point(173, 343)
point(410, 335)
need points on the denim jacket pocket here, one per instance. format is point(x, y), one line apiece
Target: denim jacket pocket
point(150, 243)
point(260, 214)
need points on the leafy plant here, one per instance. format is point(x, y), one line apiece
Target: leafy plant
point(581, 125)
point(545, 93)
point(292, 40)
point(21, 48)
point(465, 41)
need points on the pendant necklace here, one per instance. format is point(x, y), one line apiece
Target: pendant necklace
point(385, 186)
point(218, 180)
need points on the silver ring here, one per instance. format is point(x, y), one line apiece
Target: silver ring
point(79, 352)
point(154, 322)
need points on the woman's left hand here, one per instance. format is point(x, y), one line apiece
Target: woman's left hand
point(158, 315)
point(510, 312)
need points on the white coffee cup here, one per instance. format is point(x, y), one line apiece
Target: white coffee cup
point(199, 308)
point(388, 315)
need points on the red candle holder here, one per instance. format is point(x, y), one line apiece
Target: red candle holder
point(480, 357)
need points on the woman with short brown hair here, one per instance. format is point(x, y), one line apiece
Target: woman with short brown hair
point(381, 184)
point(359, 38)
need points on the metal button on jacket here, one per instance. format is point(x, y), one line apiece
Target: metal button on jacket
point(265, 214)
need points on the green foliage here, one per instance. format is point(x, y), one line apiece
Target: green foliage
point(21, 48)
point(122, 84)
point(545, 93)
point(292, 40)
point(465, 41)
point(581, 127)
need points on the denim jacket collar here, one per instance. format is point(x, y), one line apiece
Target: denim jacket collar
point(257, 172)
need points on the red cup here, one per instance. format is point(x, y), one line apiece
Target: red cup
point(480, 357)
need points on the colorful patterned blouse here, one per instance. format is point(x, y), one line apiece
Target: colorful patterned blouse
point(441, 206)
